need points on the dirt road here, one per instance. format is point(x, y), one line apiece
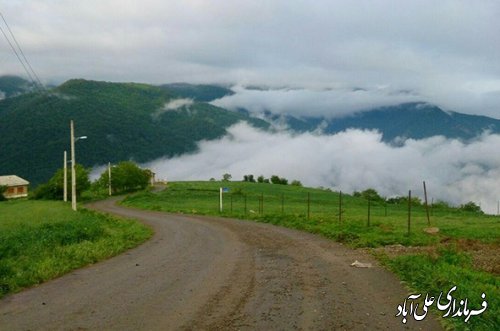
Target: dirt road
point(206, 273)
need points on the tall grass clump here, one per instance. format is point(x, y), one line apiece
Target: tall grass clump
point(40, 240)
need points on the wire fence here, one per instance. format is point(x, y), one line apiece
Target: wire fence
point(334, 207)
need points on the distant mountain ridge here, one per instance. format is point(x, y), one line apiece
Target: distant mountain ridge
point(417, 120)
point(141, 122)
point(199, 92)
point(13, 85)
point(123, 121)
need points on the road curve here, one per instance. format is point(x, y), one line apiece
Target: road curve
point(207, 273)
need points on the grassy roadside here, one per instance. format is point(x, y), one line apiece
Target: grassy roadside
point(41, 240)
point(427, 263)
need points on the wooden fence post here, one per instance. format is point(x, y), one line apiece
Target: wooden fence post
point(427, 206)
point(409, 210)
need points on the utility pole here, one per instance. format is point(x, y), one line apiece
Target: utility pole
point(65, 185)
point(73, 165)
point(220, 200)
point(73, 172)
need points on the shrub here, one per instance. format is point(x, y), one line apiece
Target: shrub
point(126, 176)
point(279, 180)
point(415, 201)
point(370, 194)
point(54, 188)
point(471, 207)
point(249, 178)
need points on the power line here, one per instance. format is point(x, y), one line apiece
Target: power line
point(22, 53)
point(31, 74)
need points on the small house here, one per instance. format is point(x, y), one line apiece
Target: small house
point(16, 186)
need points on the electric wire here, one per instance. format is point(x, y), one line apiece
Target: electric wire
point(30, 76)
point(33, 77)
point(22, 53)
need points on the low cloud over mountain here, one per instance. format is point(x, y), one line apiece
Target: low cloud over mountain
point(350, 160)
point(339, 102)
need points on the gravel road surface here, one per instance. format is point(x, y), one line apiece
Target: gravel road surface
point(208, 273)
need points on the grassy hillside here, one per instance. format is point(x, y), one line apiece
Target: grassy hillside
point(289, 204)
point(465, 252)
point(123, 121)
point(40, 240)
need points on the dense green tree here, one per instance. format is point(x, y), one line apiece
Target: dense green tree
point(123, 121)
point(249, 178)
point(278, 180)
point(54, 188)
point(262, 179)
point(2, 190)
point(296, 183)
point(472, 207)
point(369, 194)
point(415, 201)
point(226, 177)
point(126, 176)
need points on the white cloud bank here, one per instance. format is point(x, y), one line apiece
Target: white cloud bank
point(338, 102)
point(306, 102)
point(348, 161)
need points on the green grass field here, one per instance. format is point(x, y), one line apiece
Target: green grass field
point(41, 240)
point(288, 205)
point(448, 262)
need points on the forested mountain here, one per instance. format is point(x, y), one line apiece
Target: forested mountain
point(123, 121)
point(409, 120)
point(13, 85)
point(129, 121)
point(204, 93)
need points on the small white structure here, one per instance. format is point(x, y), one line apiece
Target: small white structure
point(16, 186)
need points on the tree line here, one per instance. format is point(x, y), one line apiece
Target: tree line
point(126, 176)
point(372, 195)
point(274, 179)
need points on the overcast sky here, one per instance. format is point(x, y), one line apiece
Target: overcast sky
point(446, 52)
